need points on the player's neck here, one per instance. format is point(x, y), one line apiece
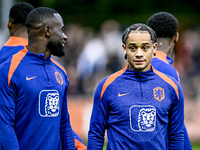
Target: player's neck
point(165, 45)
point(20, 32)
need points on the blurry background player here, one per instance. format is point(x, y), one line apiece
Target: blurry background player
point(140, 107)
point(18, 39)
point(166, 25)
point(17, 29)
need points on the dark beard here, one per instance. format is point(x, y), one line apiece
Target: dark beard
point(56, 48)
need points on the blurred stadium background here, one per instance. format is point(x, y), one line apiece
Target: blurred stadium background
point(93, 50)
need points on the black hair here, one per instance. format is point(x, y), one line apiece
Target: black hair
point(164, 24)
point(19, 12)
point(139, 27)
point(39, 15)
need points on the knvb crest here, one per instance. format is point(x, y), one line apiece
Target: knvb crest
point(59, 78)
point(159, 93)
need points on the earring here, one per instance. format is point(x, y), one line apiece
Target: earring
point(154, 54)
point(125, 57)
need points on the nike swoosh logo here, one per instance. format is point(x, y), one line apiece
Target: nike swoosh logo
point(122, 94)
point(30, 78)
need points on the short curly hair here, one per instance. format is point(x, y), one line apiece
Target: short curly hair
point(39, 15)
point(19, 12)
point(139, 27)
point(164, 24)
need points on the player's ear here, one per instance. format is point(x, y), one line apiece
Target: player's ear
point(47, 31)
point(176, 37)
point(154, 47)
point(10, 25)
point(124, 49)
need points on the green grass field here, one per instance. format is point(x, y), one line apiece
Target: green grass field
point(196, 146)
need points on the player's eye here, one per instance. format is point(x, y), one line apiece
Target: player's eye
point(145, 47)
point(132, 48)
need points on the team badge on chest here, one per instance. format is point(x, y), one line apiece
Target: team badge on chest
point(59, 78)
point(159, 93)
